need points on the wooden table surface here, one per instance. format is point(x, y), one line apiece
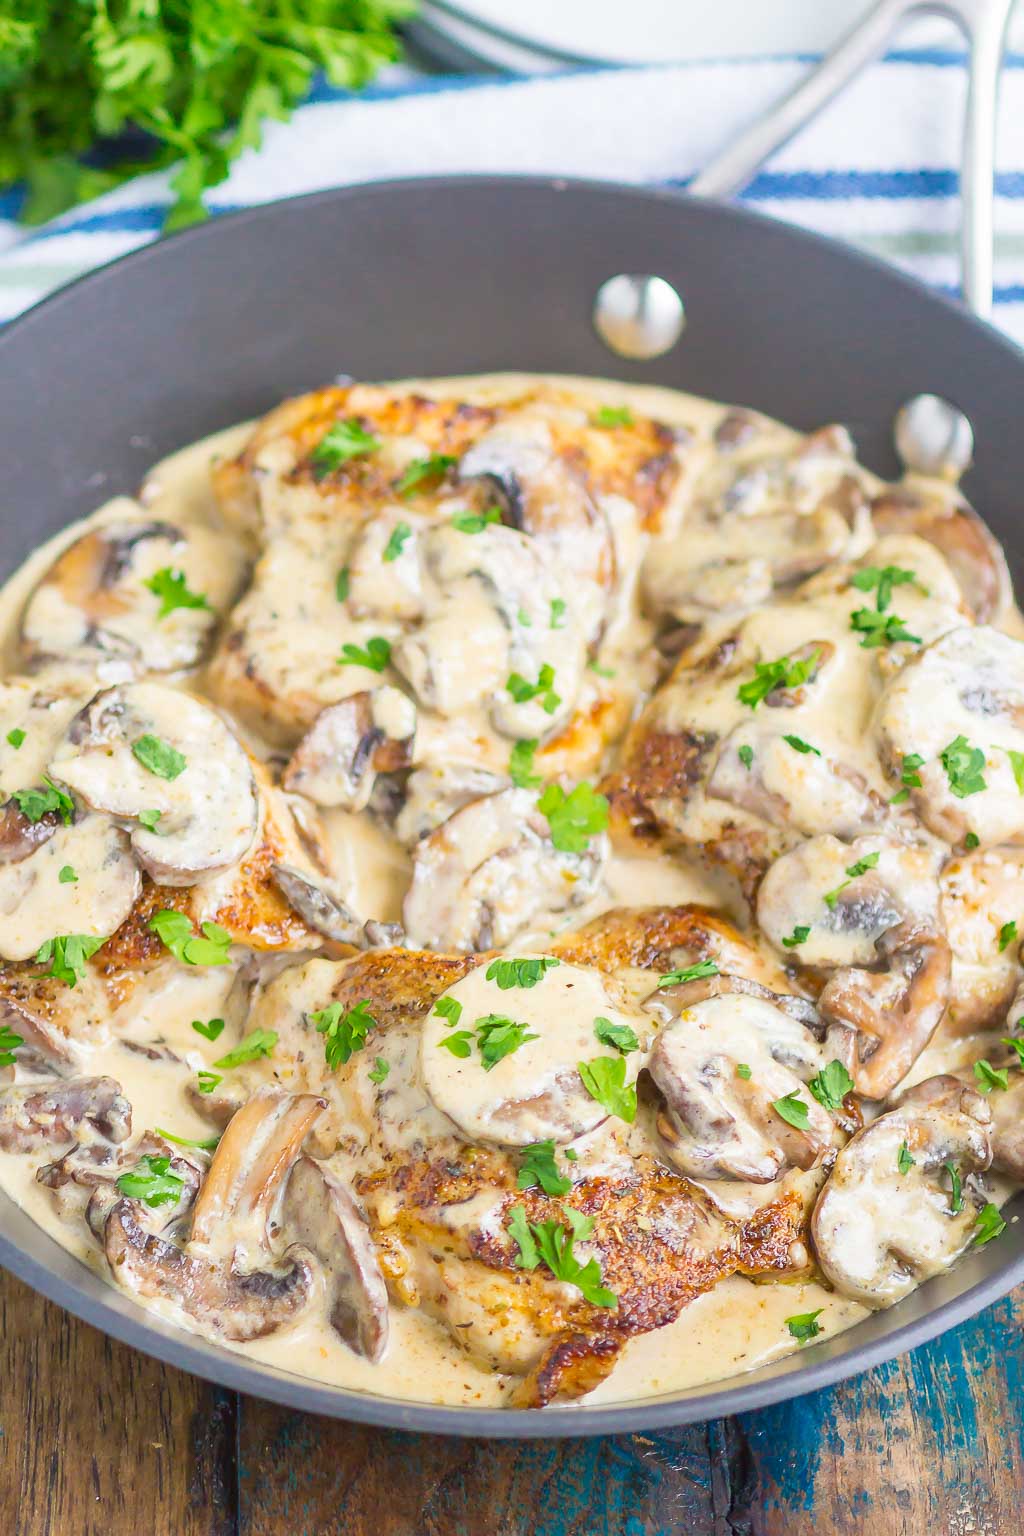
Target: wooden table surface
point(96, 1440)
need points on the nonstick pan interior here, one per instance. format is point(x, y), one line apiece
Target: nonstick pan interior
point(459, 276)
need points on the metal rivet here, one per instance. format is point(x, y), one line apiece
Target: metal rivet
point(933, 438)
point(638, 315)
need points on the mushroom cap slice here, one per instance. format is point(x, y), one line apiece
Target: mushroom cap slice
point(955, 529)
point(321, 1213)
point(719, 1124)
point(76, 1109)
point(249, 1167)
point(93, 603)
point(535, 1093)
point(487, 871)
point(35, 903)
point(962, 695)
point(208, 809)
point(222, 1300)
point(337, 761)
point(879, 1232)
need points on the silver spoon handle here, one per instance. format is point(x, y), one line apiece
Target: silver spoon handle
point(730, 171)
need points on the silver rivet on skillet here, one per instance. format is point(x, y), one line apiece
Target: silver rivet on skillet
point(638, 315)
point(933, 437)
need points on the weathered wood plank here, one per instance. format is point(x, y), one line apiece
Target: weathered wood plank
point(313, 1477)
point(928, 1445)
point(98, 1440)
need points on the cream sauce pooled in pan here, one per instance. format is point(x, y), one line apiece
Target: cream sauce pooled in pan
point(649, 701)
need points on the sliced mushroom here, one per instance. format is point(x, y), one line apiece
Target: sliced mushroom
point(349, 743)
point(318, 1211)
point(35, 903)
point(94, 602)
point(944, 519)
point(207, 808)
point(384, 566)
point(20, 837)
point(535, 1092)
point(325, 911)
point(489, 870)
point(253, 1158)
point(980, 893)
point(31, 1117)
point(879, 1231)
point(434, 793)
point(957, 712)
point(813, 792)
point(721, 1123)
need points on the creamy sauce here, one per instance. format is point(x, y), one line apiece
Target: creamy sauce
point(738, 1325)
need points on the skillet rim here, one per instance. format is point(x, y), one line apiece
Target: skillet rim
point(121, 1318)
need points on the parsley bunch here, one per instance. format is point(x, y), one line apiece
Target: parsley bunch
point(197, 77)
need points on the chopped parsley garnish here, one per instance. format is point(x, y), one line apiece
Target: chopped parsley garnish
point(861, 867)
point(831, 1085)
point(543, 689)
point(612, 416)
point(173, 590)
point(393, 548)
point(769, 675)
point(620, 1036)
point(379, 1071)
point(548, 1242)
point(449, 1009)
point(988, 1225)
point(909, 777)
point(1007, 935)
point(540, 1169)
point(152, 1182)
point(343, 441)
point(881, 580)
point(34, 804)
point(66, 954)
point(963, 764)
point(523, 618)
point(475, 522)
point(158, 757)
point(799, 936)
point(573, 818)
point(956, 1199)
point(175, 932)
point(520, 765)
point(16, 737)
point(595, 666)
point(746, 755)
point(9, 1043)
point(557, 613)
point(520, 973)
point(881, 628)
point(689, 973)
point(343, 584)
point(211, 1030)
point(460, 1043)
point(988, 1077)
point(743, 1071)
point(972, 840)
point(799, 745)
point(604, 1078)
point(67, 875)
point(433, 468)
point(376, 655)
point(149, 819)
point(344, 1032)
point(805, 1325)
point(904, 1161)
point(207, 1081)
point(253, 1047)
point(184, 1141)
point(793, 1109)
point(497, 1036)
point(1016, 1043)
point(1017, 764)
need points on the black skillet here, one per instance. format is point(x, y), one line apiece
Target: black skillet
point(460, 276)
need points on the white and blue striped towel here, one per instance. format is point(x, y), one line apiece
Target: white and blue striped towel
point(878, 168)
